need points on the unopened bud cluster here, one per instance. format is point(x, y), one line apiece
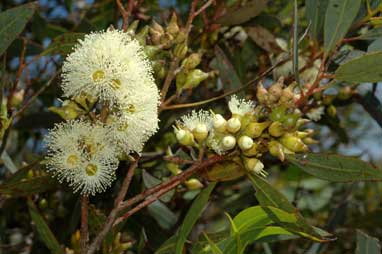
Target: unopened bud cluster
point(170, 43)
point(251, 131)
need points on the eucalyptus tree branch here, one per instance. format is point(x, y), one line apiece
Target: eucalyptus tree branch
point(84, 224)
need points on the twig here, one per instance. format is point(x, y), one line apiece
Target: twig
point(177, 160)
point(84, 223)
point(113, 214)
point(170, 76)
point(125, 15)
point(126, 183)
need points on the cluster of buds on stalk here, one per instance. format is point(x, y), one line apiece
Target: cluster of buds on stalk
point(250, 132)
point(169, 44)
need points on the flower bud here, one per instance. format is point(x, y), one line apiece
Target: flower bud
point(310, 141)
point(345, 93)
point(332, 111)
point(17, 98)
point(293, 143)
point(245, 143)
point(290, 120)
point(155, 27)
point(193, 184)
point(255, 130)
point(276, 149)
point(276, 129)
point(166, 41)
point(255, 166)
point(262, 93)
point(173, 27)
point(133, 27)
point(278, 114)
point(192, 61)
point(184, 137)
point(151, 51)
point(180, 50)
point(141, 36)
point(276, 90)
point(219, 123)
point(328, 99)
point(194, 78)
point(200, 132)
point(301, 122)
point(233, 125)
point(228, 142)
point(69, 110)
point(287, 94)
point(181, 37)
point(253, 151)
point(86, 101)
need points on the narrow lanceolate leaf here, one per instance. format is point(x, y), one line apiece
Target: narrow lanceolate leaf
point(267, 195)
point(227, 72)
point(336, 168)
point(235, 16)
point(12, 23)
point(367, 244)
point(63, 44)
point(43, 230)
point(315, 14)
point(338, 19)
point(372, 34)
point(29, 186)
point(192, 216)
point(366, 68)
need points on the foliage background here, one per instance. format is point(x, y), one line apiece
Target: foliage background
point(339, 208)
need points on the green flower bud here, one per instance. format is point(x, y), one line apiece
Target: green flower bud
point(194, 78)
point(151, 51)
point(245, 143)
point(332, 111)
point(255, 166)
point(253, 151)
point(278, 113)
point(200, 132)
point(142, 35)
point(255, 130)
point(86, 101)
point(345, 93)
point(17, 98)
point(181, 37)
point(310, 141)
point(290, 120)
point(156, 27)
point(192, 61)
point(287, 95)
point(166, 41)
point(181, 78)
point(276, 129)
point(293, 143)
point(193, 184)
point(301, 122)
point(233, 125)
point(69, 110)
point(328, 99)
point(184, 137)
point(133, 27)
point(219, 123)
point(262, 94)
point(173, 27)
point(276, 149)
point(180, 50)
point(228, 142)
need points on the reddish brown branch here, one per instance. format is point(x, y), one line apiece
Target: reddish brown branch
point(84, 224)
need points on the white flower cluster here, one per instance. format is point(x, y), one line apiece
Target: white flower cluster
point(111, 67)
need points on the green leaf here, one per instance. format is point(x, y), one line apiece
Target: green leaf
point(12, 23)
point(269, 196)
point(215, 249)
point(367, 244)
point(372, 34)
point(227, 72)
point(315, 13)
point(29, 186)
point(63, 44)
point(375, 46)
point(366, 68)
point(192, 216)
point(235, 16)
point(162, 214)
point(336, 168)
point(338, 19)
point(151, 181)
point(43, 229)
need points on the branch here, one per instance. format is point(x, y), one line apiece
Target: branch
point(84, 223)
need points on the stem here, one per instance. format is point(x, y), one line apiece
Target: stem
point(126, 183)
point(170, 76)
point(84, 224)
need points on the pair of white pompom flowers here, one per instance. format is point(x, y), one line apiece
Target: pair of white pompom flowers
point(111, 67)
